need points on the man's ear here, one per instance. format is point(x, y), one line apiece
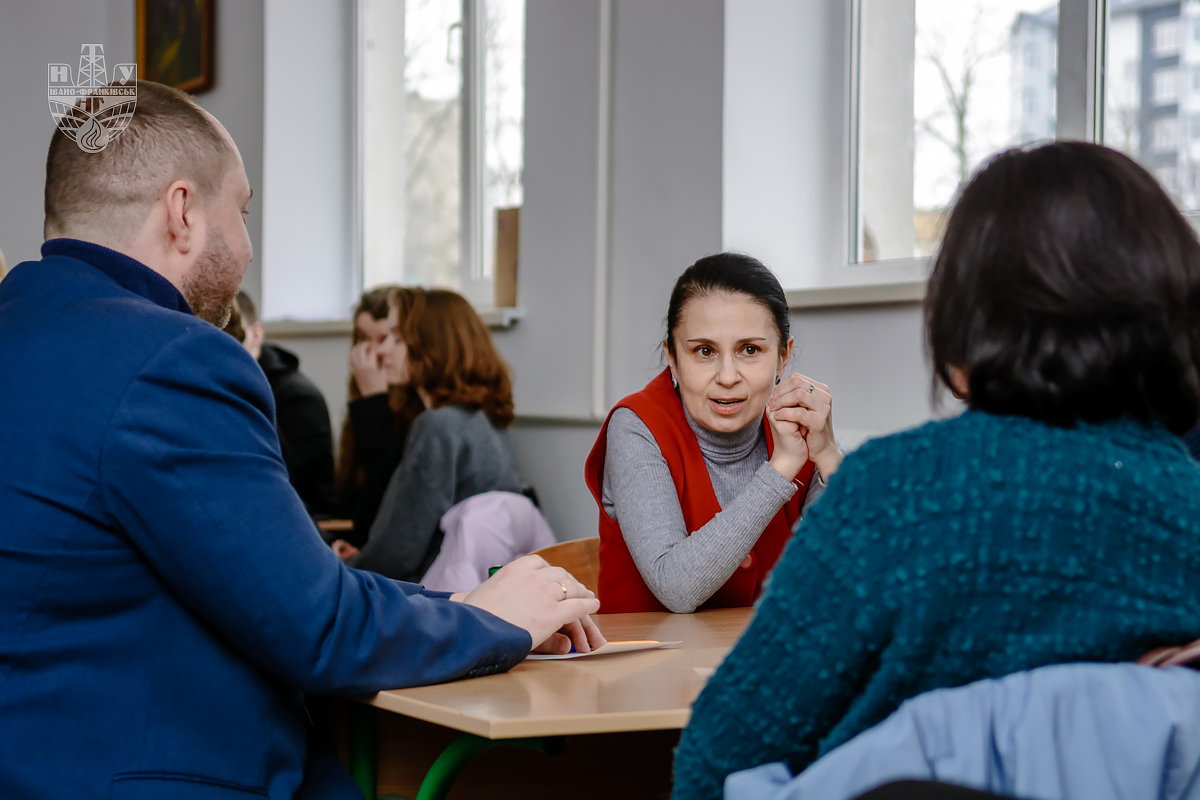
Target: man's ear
point(182, 231)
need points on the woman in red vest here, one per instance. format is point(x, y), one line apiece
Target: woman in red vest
point(701, 476)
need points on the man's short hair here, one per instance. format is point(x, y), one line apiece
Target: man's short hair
point(168, 138)
point(248, 309)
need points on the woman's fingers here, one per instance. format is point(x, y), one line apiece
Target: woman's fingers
point(794, 391)
point(803, 417)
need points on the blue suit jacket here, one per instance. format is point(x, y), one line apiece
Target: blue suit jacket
point(164, 598)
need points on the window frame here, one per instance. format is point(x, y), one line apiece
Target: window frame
point(1079, 115)
point(474, 284)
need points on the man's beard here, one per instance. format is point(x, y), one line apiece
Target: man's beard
point(213, 281)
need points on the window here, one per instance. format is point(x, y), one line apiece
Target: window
point(1164, 133)
point(442, 90)
point(1196, 30)
point(1142, 115)
point(1169, 178)
point(1165, 86)
point(1166, 37)
point(942, 85)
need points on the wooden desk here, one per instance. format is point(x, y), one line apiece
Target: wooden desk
point(641, 691)
point(625, 693)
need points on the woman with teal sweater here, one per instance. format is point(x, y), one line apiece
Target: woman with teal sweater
point(1057, 520)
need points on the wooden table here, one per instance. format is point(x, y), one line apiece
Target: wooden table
point(650, 690)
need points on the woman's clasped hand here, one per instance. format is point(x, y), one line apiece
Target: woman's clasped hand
point(800, 412)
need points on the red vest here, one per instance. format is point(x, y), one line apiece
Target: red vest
point(621, 588)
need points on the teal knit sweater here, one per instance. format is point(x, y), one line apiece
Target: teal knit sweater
point(960, 550)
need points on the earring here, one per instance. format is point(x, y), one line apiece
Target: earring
point(777, 380)
point(674, 383)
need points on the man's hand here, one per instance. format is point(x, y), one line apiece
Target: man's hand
point(546, 601)
point(343, 549)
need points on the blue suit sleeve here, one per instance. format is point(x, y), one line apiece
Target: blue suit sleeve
point(191, 472)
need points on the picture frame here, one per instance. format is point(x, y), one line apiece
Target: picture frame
point(175, 43)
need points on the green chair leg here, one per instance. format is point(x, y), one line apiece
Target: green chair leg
point(362, 748)
point(457, 755)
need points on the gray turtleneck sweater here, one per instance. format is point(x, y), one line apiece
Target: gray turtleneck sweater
point(683, 571)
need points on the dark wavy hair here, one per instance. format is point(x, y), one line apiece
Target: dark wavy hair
point(451, 355)
point(729, 273)
point(1067, 288)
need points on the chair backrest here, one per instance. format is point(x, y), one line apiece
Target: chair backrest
point(487, 530)
point(580, 557)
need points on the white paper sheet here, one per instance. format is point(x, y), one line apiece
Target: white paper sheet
point(609, 648)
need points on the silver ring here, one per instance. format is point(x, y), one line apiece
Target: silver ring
point(564, 588)
point(811, 386)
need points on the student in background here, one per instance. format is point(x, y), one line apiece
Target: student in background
point(458, 447)
point(378, 416)
point(1057, 520)
point(699, 483)
point(301, 415)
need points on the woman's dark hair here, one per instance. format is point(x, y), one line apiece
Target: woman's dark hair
point(350, 475)
point(729, 273)
point(1067, 288)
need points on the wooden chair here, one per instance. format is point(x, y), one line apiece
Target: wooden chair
point(580, 557)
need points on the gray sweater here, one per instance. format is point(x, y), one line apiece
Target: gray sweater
point(683, 571)
point(450, 454)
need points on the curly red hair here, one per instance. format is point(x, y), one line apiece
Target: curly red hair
point(450, 354)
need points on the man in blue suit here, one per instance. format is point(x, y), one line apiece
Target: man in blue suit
point(164, 598)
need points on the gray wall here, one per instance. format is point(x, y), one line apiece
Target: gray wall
point(33, 34)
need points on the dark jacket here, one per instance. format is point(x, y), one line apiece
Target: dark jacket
point(305, 435)
point(377, 449)
point(164, 597)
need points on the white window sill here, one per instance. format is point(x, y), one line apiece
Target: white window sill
point(876, 294)
point(494, 318)
point(893, 282)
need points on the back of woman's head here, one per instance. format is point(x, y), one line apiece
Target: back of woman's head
point(729, 273)
point(1067, 288)
point(451, 355)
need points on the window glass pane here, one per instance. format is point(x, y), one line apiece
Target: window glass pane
point(412, 84)
point(504, 115)
point(1152, 90)
point(942, 85)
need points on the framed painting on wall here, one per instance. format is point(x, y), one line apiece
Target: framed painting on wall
point(175, 43)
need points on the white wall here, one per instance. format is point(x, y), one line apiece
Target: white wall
point(670, 190)
point(306, 115)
